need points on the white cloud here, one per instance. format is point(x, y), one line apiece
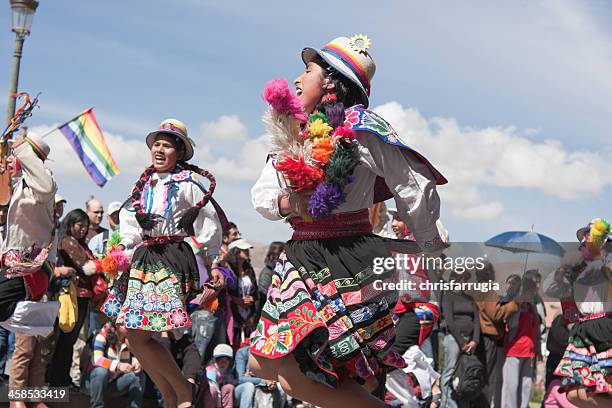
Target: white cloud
point(484, 212)
point(131, 155)
point(473, 159)
point(246, 164)
point(226, 128)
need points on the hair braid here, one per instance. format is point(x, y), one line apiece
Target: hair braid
point(187, 220)
point(146, 220)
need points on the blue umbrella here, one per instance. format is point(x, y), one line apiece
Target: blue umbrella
point(526, 242)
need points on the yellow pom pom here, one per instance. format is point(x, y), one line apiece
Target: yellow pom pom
point(319, 129)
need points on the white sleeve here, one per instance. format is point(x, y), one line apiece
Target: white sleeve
point(412, 183)
point(264, 194)
point(207, 226)
point(129, 230)
point(38, 179)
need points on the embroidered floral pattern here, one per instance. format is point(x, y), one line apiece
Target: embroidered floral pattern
point(111, 307)
point(295, 311)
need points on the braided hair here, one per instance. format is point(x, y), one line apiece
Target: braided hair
point(147, 221)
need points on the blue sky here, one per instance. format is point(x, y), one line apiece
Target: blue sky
point(510, 99)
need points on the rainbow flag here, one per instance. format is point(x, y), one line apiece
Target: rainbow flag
point(87, 140)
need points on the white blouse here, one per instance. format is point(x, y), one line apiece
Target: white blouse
point(411, 182)
point(164, 196)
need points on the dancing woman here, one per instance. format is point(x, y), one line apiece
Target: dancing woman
point(325, 333)
point(169, 205)
point(583, 283)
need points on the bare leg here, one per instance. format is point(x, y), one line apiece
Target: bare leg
point(296, 384)
point(162, 384)
point(265, 368)
point(160, 366)
point(580, 398)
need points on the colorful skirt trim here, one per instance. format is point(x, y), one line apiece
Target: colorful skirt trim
point(587, 361)
point(323, 306)
point(153, 294)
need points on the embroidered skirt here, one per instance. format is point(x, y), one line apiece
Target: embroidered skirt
point(324, 308)
point(587, 361)
point(152, 295)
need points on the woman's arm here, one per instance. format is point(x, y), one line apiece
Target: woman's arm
point(73, 253)
point(266, 191)
point(129, 230)
point(412, 183)
point(38, 179)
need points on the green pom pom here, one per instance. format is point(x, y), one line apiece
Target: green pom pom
point(318, 115)
point(114, 239)
point(341, 164)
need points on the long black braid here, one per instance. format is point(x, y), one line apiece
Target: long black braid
point(147, 221)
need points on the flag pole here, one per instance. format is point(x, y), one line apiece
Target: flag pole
point(68, 121)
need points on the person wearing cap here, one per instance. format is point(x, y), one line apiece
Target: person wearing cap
point(583, 283)
point(247, 383)
point(58, 208)
point(29, 243)
point(168, 206)
point(222, 376)
point(243, 292)
point(319, 304)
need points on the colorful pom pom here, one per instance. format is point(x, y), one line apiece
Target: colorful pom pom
point(281, 99)
point(344, 132)
point(301, 175)
point(341, 164)
point(319, 129)
point(314, 116)
point(324, 200)
point(322, 150)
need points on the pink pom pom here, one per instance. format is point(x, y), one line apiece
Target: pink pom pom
point(121, 259)
point(282, 100)
point(345, 132)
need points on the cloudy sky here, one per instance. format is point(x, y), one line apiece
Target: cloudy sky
point(511, 100)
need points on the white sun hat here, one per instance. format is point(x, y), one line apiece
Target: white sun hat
point(351, 58)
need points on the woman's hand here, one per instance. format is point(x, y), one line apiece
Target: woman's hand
point(64, 271)
point(469, 347)
point(294, 203)
point(216, 277)
point(124, 368)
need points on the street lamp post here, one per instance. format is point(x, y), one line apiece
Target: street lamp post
point(22, 15)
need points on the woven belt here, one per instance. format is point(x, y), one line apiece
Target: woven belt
point(337, 225)
point(162, 240)
point(592, 316)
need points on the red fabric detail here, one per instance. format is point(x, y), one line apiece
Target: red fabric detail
point(337, 225)
point(571, 313)
point(425, 327)
point(524, 342)
point(100, 288)
point(37, 284)
point(162, 240)
point(592, 316)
